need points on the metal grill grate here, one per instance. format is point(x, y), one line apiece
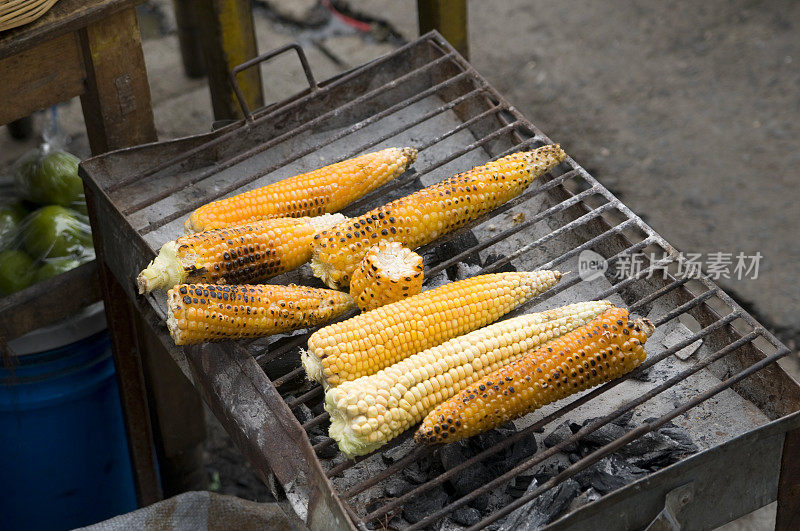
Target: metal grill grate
point(427, 96)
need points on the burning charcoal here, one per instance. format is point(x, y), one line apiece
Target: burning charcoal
point(574, 458)
point(466, 270)
point(450, 249)
point(421, 506)
point(494, 257)
point(550, 467)
point(466, 516)
point(328, 452)
point(520, 485)
point(558, 435)
point(396, 453)
point(544, 508)
point(622, 420)
point(587, 496)
point(396, 486)
point(656, 450)
point(468, 479)
point(521, 451)
point(609, 474)
point(604, 435)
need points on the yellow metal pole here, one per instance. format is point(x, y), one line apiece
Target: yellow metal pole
point(228, 40)
point(448, 17)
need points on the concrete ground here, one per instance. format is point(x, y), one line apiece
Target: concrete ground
point(688, 111)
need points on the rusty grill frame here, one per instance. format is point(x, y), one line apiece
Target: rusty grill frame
point(251, 406)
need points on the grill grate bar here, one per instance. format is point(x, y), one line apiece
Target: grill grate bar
point(638, 432)
point(549, 418)
point(316, 421)
point(294, 132)
point(247, 154)
point(186, 155)
point(305, 397)
point(288, 376)
point(613, 231)
point(592, 214)
point(541, 456)
point(658, 293)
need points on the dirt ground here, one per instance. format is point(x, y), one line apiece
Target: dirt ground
point(688, 111)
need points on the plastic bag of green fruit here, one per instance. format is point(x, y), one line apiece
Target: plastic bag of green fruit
point(40, 237)
point(48, 176)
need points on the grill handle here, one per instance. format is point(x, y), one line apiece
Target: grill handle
point(312, 84)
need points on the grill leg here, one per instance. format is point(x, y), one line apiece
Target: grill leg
point(189, 38)
point(788, 517)
point(448, 17)
point(228, 40)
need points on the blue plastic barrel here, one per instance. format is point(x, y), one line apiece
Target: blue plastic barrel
point(64, 458)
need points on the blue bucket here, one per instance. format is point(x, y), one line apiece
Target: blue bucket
point(64, 459)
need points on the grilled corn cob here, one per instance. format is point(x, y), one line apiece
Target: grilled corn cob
point(389, 272)
point(370, 411)
point(327, 189)
point(602, 350)
point(367, 343)
point(425, 215)
point(235, 255)
point(206, 312)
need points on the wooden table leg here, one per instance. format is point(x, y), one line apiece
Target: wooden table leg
point(448, 17)
point(228, 41)
point(788, 517)
point(116, 102)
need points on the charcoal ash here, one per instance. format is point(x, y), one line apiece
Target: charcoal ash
point(464, 270)
point(584, 498)
point(543, 509)
point(396, 486)
point(466, 516)
point(398, 452)
point(436, 281)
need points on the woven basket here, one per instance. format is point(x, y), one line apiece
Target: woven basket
point(15, 13)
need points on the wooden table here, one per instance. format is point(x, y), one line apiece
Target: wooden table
point(91, 49)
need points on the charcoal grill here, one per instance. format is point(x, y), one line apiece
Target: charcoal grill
point(735, 401)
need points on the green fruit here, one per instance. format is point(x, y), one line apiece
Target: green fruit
point(10, 216)
point(50, 178)
point(16, 271)
point(55, 267)
point(54, 231)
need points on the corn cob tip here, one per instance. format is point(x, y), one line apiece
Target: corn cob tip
point(165, 271)
point(646, 325)
point(313, 367)
point(410, 153)
point(341, 431)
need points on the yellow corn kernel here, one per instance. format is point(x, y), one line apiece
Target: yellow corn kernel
point(423, 216)
point(368, 342)
point(389, 272)
point(207, 312)
point(327, 189)
point(604, 349)
point(235, 255)
point(440, 372)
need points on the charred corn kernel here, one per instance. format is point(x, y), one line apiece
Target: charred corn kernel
point(327, 189)
point(608, 347)
point(388, 273)
point(369, 342)
point(235, 255)
point(207, 312)
point(418, 383)
point(425, 215)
